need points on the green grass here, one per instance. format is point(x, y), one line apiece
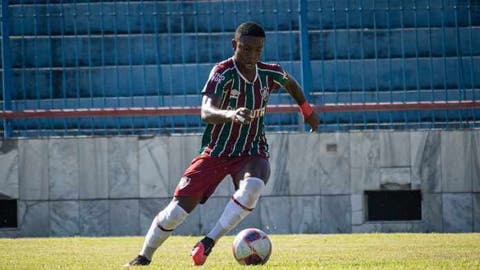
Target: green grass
point(346, 251)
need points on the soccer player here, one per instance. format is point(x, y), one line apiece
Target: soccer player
point(233, 107)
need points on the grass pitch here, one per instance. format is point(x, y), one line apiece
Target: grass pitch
point(346, 251)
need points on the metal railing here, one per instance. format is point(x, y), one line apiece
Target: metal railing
point(137, 67)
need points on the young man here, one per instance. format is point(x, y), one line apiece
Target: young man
point(233, 106)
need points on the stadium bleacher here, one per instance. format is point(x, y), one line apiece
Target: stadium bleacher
point(104, 54)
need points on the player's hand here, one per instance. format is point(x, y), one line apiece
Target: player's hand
point(313, 120)
point(240, 115)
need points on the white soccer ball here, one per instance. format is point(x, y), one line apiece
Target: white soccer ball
point(252, 246)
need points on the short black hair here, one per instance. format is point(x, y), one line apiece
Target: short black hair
point(251, 29)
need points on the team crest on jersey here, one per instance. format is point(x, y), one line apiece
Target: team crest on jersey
point(184, 181)
point(264, 92)
point(234, 93)
point(216, 77)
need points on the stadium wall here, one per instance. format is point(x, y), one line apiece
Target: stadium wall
point(106, 186)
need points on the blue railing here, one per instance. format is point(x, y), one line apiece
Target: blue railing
point(137, 54)
point(7, 68)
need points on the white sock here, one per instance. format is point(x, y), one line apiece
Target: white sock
point(162, 227)
point(231, 217)
point(242, 203)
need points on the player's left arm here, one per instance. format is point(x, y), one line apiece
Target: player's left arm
point(309, 116)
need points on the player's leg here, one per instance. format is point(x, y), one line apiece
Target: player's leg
point(163, 225)
point(250, 180)
point(198, 183)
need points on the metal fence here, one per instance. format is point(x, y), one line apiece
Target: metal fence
point(137, 67)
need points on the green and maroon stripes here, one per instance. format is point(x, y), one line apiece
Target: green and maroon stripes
point(251, 102)
point(233, 139)
point(276, 74)
point(231, 131)
point(257, 123)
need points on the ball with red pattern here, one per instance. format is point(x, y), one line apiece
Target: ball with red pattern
point(251, 247)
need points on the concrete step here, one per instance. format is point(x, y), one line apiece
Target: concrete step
point(98, 50)
point(381, 75)
point(391, 14)
point(396, 43)
point(83, 17)
point(150, 17)
point(396, 74)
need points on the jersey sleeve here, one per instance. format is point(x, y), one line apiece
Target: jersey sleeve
point(279, 76)
point(216, 82)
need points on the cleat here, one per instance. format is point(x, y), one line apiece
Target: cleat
point(201, 250)
point(139, 260)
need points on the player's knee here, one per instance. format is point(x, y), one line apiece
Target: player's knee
point(249, 191)
point(172, 216)
point(187, 203)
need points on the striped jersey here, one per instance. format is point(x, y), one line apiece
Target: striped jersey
point(234, 139)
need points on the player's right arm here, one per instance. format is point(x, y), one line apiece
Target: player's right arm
point(212, 114)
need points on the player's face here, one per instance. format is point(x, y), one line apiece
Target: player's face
point(248, 51)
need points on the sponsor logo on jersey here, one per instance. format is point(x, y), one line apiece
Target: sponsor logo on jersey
point(257, 113)
point(254, 113)
point(216, 77)
point(184, 181)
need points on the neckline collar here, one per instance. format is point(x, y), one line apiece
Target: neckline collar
point(241, 75)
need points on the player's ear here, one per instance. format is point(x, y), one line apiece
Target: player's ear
point(234, 44)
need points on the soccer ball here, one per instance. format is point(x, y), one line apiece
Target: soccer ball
point(252, 246)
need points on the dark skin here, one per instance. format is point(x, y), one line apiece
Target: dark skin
point(247, 52)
